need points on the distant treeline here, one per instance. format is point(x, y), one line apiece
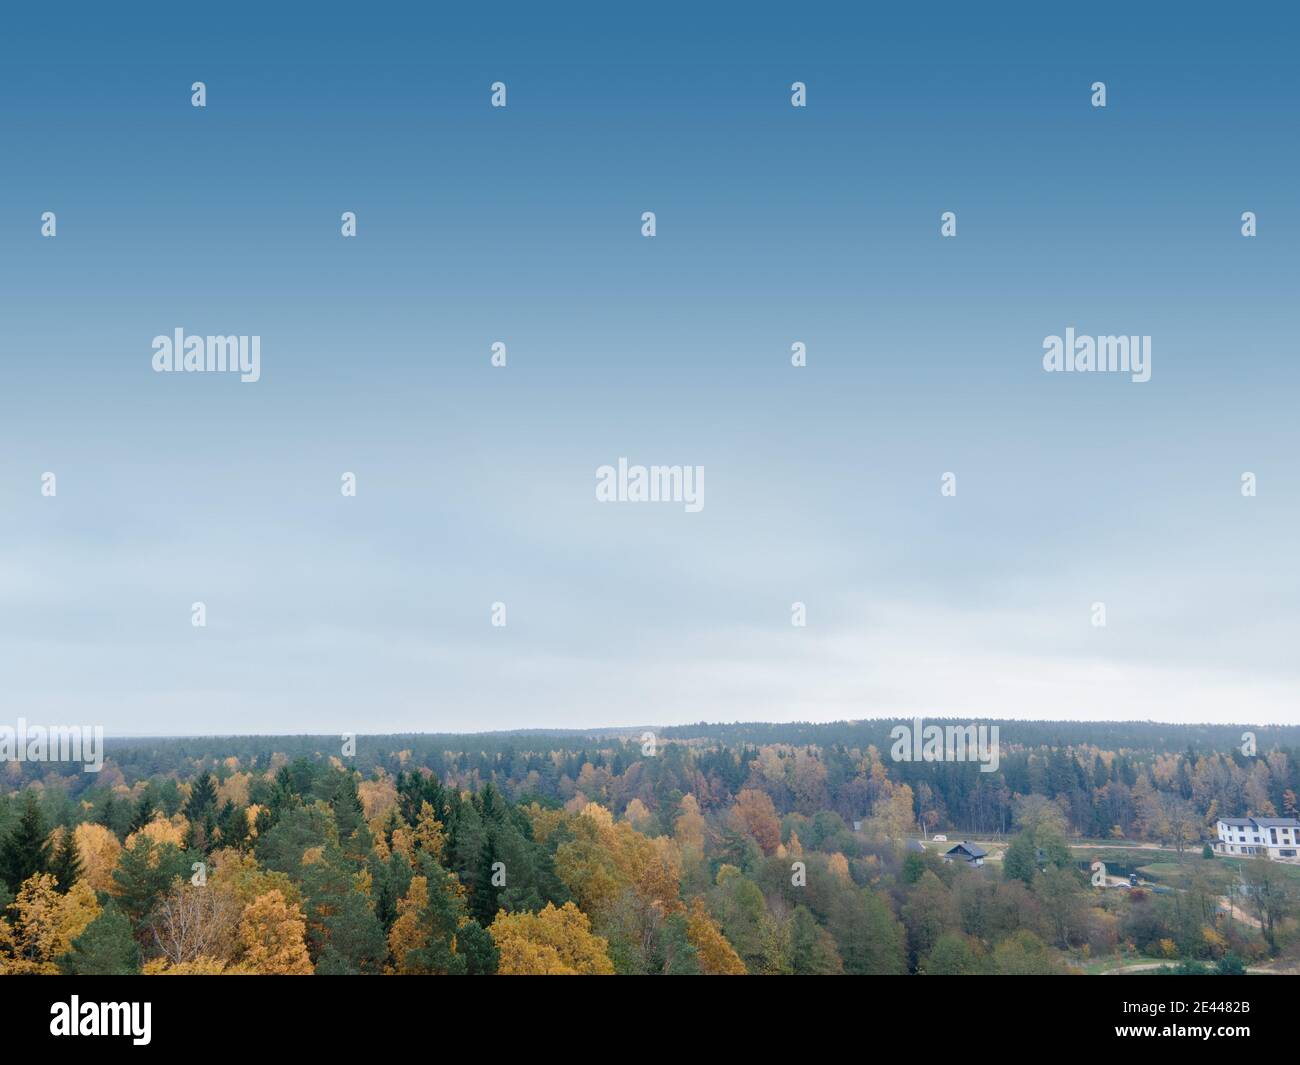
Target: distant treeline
point(1106, 776)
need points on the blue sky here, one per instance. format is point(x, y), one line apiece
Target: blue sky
point(522, 225)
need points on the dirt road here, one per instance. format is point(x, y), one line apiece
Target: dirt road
point(1238, 913)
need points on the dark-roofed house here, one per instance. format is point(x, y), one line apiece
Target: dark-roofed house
point(1278, 837)
point(965, 852)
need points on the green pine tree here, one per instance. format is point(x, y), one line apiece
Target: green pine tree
point(475, 944)
point(355, 942)
point(105, 948)
point(233, 824)
point(145, 872)
point(25, 851)
point(203, 798)
point(66, 863)
point(143, 813)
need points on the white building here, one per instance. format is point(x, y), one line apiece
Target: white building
point(1278, 837)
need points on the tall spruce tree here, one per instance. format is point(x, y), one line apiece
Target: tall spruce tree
point(203, 798)
point(25, 851)
point(233, 825)
point(66, 863)
point(143, 812)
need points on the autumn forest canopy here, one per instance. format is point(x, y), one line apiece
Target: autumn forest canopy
point(706, 849)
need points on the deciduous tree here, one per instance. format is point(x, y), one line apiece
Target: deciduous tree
point(553, 942)
point(271, 933)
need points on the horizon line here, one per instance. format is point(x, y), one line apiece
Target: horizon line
point(609, 730)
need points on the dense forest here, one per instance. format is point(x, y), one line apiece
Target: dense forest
point(714, 849)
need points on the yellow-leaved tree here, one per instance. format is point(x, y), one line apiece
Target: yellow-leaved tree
point(162, 830)
point(44, 925)
point(98, 849)
point(754, 814)
point(200, 966)
point(605, 859)
point(271, 933)
point(715, 955)
point(691, 833)
point(429, 836)
point(238, 873)
point(554, 942)
point(638, 815)
point(406, 934)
